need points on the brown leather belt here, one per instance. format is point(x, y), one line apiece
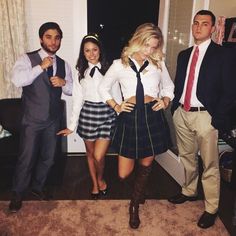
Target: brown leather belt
point(195, 108)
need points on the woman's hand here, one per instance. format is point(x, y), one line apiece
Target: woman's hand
point(64, 132)
point(160, 104)
point(124, 107)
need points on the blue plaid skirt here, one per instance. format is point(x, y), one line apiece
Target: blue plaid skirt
point(96, 120)
point(136, 140)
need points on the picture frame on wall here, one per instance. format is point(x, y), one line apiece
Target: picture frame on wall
point(232, 34)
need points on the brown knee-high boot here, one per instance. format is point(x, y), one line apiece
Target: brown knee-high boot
point(126, 185)
point(138, 195)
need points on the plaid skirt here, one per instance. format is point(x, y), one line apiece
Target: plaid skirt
point(136, 140)
point(96, 121)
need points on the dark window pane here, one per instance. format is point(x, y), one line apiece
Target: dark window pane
point(115, 21)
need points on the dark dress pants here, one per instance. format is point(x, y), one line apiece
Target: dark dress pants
point(37, 152)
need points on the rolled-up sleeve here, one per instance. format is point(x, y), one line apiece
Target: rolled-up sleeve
point(23, 74)
point(167, 85)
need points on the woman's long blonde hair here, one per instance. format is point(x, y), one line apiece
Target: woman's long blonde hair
point(142, 34)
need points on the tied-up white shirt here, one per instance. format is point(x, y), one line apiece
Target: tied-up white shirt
point(23, 74)
point(156, 82)
point(87, 90)
point(194, 102)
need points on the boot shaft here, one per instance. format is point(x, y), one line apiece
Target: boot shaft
point(140, 184)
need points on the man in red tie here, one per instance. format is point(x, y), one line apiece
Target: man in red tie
point(204, 92)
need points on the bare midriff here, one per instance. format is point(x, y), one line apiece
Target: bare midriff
point(147, 99)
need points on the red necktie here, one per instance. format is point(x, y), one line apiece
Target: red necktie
point(190, 80)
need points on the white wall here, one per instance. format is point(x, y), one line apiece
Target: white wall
point(223, 8)
point(71, 15)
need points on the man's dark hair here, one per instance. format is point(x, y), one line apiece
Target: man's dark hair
point(208, 13)
point(49, 25)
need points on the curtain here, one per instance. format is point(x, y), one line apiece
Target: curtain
point(13, 43)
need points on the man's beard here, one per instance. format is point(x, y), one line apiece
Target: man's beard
point(48, 50)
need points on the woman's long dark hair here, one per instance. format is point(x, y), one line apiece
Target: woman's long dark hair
point(82, 63)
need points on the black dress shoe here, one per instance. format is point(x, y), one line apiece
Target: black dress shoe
point(41, 195)
point(181, 198)
point(15, 203)
point(207, 220)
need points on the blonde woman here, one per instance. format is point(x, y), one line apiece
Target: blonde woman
point(141, 131)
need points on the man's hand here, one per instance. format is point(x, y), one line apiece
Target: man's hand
point(57, 81)
point(46, 62)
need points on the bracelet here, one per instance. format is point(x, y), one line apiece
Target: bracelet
point(115, 106)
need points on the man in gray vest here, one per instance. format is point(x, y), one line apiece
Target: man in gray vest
point(43, 77)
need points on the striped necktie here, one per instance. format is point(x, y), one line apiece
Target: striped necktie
point(188, 93)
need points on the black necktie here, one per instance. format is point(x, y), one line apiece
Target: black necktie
point(50, 71)
point(139, 88)
point(93, 71)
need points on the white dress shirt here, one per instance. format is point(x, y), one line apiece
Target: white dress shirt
point(194, 102)
point(24, 74)
point(156, 82)
point(87, 90)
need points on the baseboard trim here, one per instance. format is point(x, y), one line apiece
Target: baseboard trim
point(76, 154)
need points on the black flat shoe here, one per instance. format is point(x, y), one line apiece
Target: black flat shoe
point(95, 196)
point(103, 192)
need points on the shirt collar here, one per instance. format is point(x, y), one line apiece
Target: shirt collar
point(204, 45)
point(44, 54)
point(92, 65)
point(136, 63)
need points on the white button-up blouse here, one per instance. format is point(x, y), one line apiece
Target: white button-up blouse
point(156, 82)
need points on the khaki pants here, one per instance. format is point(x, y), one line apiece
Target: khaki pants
point(194, 133)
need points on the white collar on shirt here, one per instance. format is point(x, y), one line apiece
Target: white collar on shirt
point(136, 63)
point(92, 65)
point(203, 46)
point(44, 54)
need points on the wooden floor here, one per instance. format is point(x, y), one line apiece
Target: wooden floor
point(72, 182)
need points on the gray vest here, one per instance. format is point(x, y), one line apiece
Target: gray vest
point(41, 101)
